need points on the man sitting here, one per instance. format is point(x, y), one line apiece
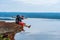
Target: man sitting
point(19, 21)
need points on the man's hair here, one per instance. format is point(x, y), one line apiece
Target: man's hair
point(18, 16)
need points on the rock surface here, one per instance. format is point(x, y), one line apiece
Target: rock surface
point(10, 29)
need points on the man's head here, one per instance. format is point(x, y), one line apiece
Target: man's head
point(18, 16)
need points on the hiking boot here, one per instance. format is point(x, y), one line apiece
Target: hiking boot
point(29, 26)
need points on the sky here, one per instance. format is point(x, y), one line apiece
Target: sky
point(29, 5)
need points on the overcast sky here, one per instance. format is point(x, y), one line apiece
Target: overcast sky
point(29, 5)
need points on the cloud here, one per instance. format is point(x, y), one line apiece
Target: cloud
point(30, 5)
point(39, 1)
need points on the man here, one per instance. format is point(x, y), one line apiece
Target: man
point(19, 21)
point(18, 18)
